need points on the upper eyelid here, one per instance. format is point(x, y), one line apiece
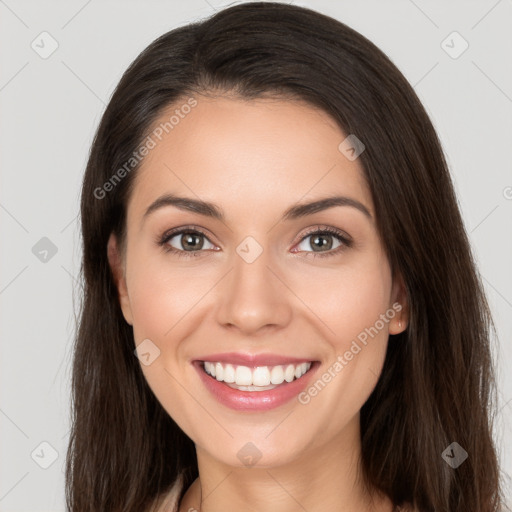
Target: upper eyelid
point(171, 233)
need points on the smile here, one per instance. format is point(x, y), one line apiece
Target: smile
point(257, 388)
point(260, 378)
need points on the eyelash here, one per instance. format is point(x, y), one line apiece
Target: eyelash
point(345, 242)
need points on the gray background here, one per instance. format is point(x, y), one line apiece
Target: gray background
point(51, 107)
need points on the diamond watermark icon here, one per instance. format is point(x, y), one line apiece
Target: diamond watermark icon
point(249, 250)
point(454, 455)
point(44, 45)
point(44, 455)
point(249, 454)
point(351, 147)
point(454, 45)
point(146, 352)
point(44, 250)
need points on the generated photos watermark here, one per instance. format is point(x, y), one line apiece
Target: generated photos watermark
point(144, 149)
point(343, 360)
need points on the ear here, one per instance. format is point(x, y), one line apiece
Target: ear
point(400, 304)
point(116, 263)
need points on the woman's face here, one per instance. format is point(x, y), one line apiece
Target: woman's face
point(255, 282)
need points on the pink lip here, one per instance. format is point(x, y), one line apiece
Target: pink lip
point(254, 400)
point(252, 360)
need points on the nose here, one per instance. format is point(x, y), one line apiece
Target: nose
point(253, 296)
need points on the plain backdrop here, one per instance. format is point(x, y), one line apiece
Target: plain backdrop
point(51, 105)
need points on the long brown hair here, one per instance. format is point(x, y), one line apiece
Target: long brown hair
point(438, 382)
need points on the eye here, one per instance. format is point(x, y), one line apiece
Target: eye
point(189, 241)
point(322, 239)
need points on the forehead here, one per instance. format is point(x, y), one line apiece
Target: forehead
point(246, 153)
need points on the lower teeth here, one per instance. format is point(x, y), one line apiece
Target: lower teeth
point(251, 388)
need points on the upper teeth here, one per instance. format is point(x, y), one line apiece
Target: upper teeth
point(259, 376)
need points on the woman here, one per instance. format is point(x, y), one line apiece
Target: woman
point(281, 307)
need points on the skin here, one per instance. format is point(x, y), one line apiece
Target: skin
point(260, 156)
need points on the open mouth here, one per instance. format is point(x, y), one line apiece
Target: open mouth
point(260, 378)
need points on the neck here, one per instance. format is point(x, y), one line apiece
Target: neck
point(325, 478)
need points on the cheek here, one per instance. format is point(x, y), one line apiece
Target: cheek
point(352, 305)
point(160, 295)
point(347, 300)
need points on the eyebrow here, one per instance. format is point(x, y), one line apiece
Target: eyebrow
point(214, 211)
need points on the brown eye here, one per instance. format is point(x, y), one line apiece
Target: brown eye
point(322, 242)
point(191, 241)
point(185, 240)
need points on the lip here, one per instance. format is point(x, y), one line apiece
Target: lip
point(252, 360)
point(255, 400)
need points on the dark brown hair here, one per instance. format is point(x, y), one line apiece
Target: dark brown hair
point(438, 383)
